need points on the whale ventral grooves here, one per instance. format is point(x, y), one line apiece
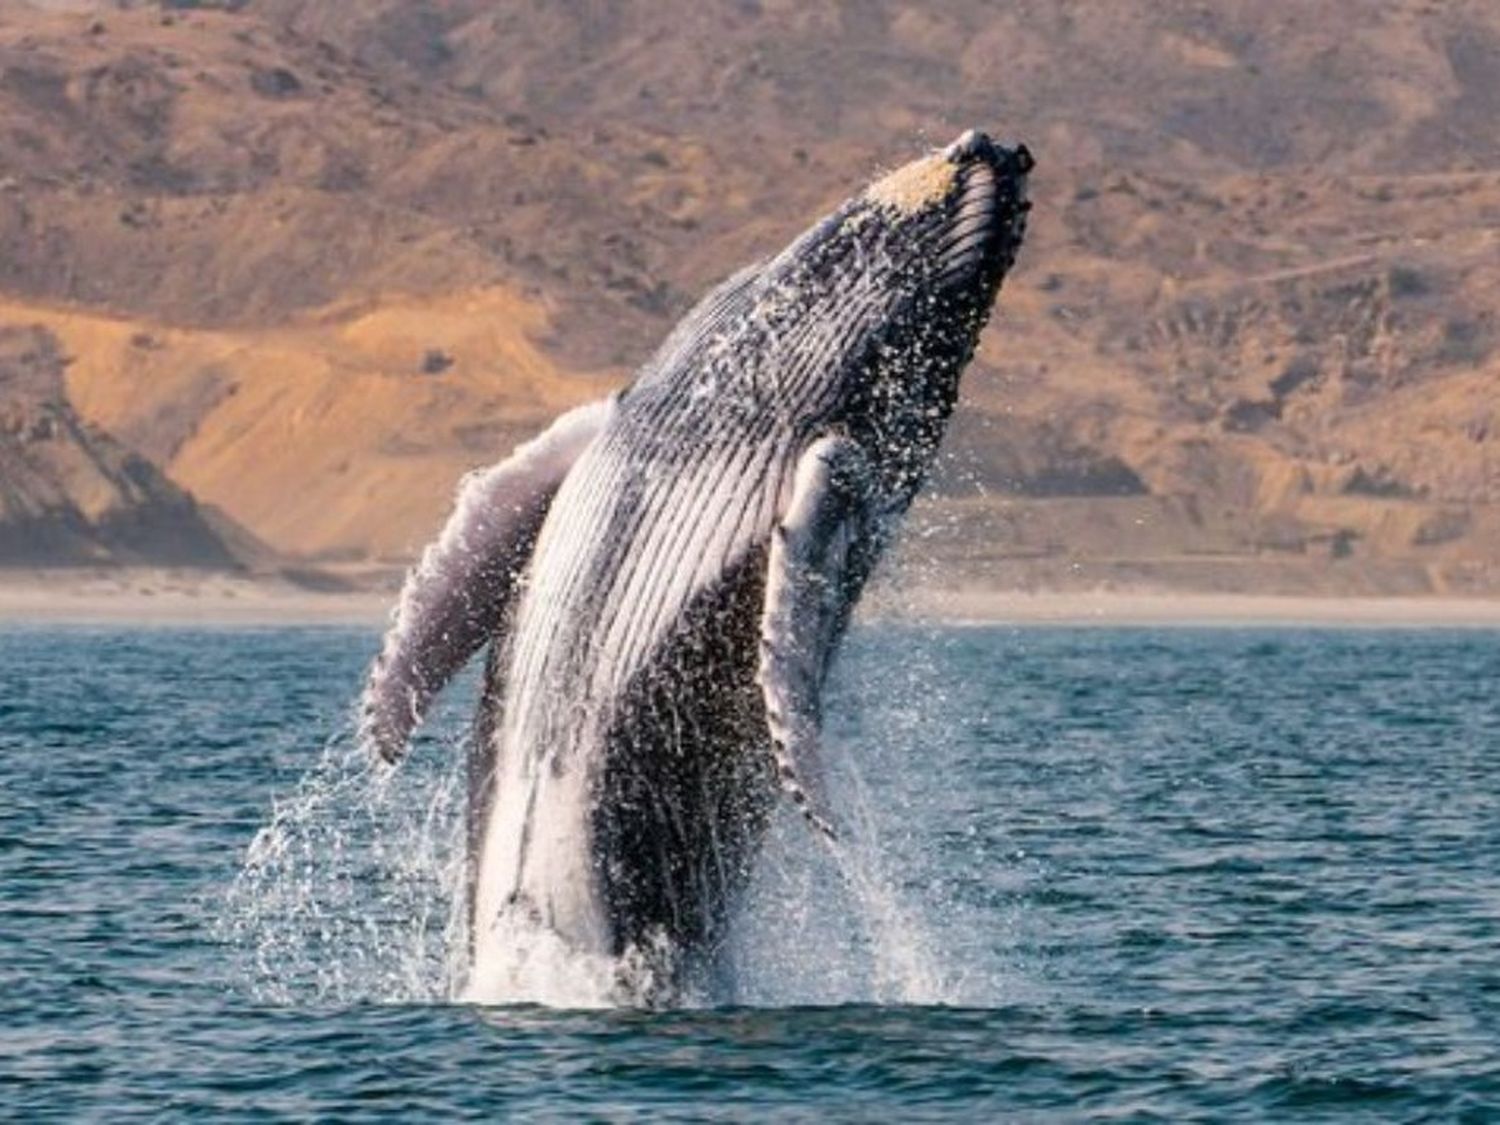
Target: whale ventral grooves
point(664, 576)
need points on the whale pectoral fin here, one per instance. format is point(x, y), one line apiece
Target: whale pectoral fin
point(813, 568)
point(455, 599)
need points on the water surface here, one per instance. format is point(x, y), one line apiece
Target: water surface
point(1150, 875)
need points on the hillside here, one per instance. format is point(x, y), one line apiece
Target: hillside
point(70, 493)
point(333, 435)
point(313, 259)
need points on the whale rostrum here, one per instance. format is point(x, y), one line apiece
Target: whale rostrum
point(663, 577)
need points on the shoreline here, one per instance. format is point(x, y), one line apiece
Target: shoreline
point(179, 599)
point(175, 599)
point(1159, 609)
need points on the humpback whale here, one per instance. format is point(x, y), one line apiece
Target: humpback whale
point(663, 577)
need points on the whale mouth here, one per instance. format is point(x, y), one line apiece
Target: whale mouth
point(987, 216)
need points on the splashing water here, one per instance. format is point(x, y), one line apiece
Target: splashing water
point(883, 919)
point(346, 894)
point(354, 890)
point(820, 929)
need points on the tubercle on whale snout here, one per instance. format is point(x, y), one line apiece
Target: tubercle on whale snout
point(977, 143)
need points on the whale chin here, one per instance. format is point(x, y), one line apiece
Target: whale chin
point(974, 230)
point(988, 211)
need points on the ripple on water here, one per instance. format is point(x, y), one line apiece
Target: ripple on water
point(1157, 875)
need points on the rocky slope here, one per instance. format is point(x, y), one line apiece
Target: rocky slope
point(315, 258)
point(70, 493)
point(337, 436)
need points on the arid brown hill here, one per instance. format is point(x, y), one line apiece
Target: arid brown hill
point(70, 493)
point(313, 258)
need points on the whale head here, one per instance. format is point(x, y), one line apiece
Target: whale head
point(866, 320)
point(953, 221)
point(934, 237)
point(892, 290)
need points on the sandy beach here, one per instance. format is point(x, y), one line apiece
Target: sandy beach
point(1146, 608)
point(185, 599)
point(180, 599)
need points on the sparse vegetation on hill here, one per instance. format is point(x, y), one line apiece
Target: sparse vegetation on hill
point(313, 259)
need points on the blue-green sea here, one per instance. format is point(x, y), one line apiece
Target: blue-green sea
point(1134, 875)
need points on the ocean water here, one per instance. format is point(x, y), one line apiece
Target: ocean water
point(1137, 875)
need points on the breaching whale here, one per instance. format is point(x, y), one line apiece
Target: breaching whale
point(663, 577)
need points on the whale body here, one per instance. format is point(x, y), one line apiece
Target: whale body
point(663, 577)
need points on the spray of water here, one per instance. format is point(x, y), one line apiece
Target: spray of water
point(354, 889)
point(346, 894)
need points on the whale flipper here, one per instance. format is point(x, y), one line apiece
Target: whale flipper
point(817, 552)
point(456, 598)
